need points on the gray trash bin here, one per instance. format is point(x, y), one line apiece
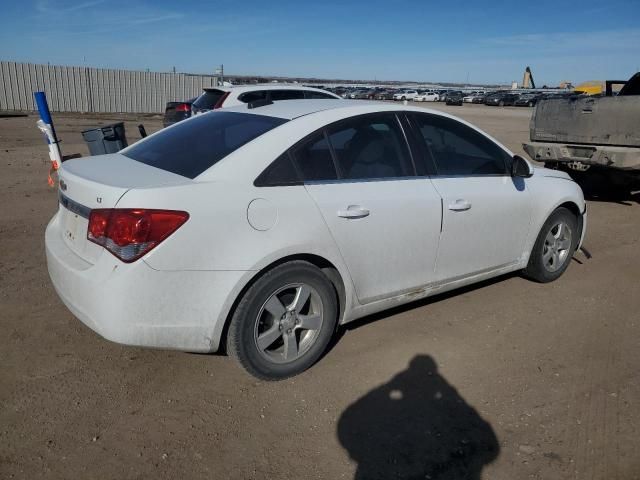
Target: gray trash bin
point(106, 139)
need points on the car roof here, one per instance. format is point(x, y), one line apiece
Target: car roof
point(267, 86)
point(292, 109)
point(305, 117)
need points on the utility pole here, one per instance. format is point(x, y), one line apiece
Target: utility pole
point(220, 72)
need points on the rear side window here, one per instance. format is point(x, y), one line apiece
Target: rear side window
point(281, 172)
point(318, 95)
point(370, 147)
point(287, 95)
point(314, 159)
point(253, 96)
point(191, 147)
point(208, 99)
point(458, 149)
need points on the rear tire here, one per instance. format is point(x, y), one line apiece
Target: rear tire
point(284, 321)
point(554, 247)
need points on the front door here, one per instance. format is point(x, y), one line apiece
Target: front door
point(486, 212)
point(384, 219)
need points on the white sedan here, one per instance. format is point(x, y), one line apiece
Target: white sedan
point(263, 229)
point(471, 97)
point(427, 97)
point(405, 95)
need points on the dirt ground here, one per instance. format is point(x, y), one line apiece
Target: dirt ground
point(508, 380)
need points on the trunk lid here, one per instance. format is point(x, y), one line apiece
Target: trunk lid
point(100, 182)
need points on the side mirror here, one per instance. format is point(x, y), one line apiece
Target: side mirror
point(520, 167)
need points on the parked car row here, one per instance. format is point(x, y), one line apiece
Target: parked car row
point(223, 97)
point(495, 97)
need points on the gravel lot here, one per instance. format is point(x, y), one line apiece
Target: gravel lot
point(546, 378)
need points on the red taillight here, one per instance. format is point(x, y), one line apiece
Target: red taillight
point(183, 107)
point(129, 233)
point(221, 100)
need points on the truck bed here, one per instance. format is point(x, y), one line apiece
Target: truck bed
point(603, 121)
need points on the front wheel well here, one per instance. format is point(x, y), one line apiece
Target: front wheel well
point(323, 264)
point(573, 208)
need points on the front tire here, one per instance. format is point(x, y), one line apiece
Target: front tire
point(284, 321)
point(554, 247)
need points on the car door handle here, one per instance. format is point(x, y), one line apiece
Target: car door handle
point(353, 211)
point(460, 205)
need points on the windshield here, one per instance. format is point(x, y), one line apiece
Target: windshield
point(191, 147)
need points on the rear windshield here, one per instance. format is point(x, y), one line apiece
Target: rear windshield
point(208, 99)
point(191, 147)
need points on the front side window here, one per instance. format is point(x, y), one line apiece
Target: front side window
point(370, 147)
point(458, 149)
point(191, 147)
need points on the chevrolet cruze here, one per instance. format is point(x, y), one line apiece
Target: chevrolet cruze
point(258, 231)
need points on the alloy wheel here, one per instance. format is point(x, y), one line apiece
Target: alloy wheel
point(288, 323)
point(556, 248)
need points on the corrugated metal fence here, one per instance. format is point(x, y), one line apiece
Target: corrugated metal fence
point(84, 89)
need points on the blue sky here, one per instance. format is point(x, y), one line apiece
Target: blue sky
point(484, 41)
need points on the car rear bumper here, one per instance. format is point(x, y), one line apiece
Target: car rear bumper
point(134, 304)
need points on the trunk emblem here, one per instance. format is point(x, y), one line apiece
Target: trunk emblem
point(99, 199)
point(63, 186)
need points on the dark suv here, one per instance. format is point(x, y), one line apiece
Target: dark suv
point(501, 99)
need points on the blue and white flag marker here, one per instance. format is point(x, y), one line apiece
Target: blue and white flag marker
point(45, 124)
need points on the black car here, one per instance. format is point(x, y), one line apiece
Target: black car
point(527, 100)
point(501, 99)
point(454, 98)
point(175, 112)
point(384, 95)
point(444, 96)
point(561, 95)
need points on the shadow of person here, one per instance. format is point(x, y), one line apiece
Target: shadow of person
point(416, 426)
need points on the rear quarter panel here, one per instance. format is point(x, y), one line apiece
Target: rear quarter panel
point(219, 235)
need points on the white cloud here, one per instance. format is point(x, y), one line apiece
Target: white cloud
point(587, 42)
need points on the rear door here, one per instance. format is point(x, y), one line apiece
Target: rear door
point(384, 219)
point(486, 212)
